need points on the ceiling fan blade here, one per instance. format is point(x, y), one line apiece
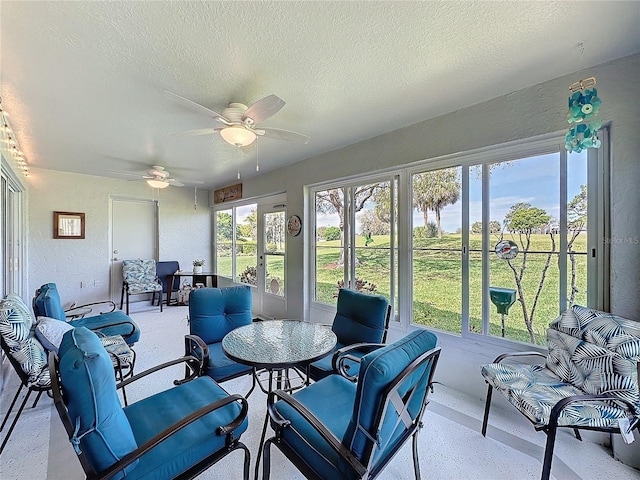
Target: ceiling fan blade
point(263, 109)
point(198, 107)
point(200, 131)
point(139, 175)
point(175, 183)
point(279, 134)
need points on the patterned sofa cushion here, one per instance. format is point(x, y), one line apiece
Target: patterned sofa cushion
point(534, 390)
point(590, 352)
point(18, 332)
point(596, 352)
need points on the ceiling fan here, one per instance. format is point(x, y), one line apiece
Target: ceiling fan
point(158, 177)
point(240, 122)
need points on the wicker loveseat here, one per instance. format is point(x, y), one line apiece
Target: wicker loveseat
point(588, 381)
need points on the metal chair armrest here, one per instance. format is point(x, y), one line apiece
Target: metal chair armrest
point(192, 362)
point(342, 354)
point(499, 358)
point(329, 437)
point(106, 302)
point(169, 431)
point(195, 347)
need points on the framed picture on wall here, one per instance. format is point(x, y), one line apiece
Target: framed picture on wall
point(68, 225)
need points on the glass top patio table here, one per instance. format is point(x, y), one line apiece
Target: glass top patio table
point(274, 344)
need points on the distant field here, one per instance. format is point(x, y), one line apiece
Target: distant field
point(437, 277)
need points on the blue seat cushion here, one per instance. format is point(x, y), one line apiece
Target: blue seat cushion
point(112, 323)
point(193, 443)
point(88, 383)
point(334, 414)
point(222, 367)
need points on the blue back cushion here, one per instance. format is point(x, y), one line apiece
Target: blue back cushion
point(88, 383)
point(214, 312)
point(359, 317)
point(47, 302)
point(164, 270)
point(377, 370)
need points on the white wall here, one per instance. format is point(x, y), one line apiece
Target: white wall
point(533, 111)
point(184, 233)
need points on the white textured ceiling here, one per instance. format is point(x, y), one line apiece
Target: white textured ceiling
point(83, 81)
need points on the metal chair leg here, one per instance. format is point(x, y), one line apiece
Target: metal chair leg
point(11, 407)
point(266, 460)
point(416, 460)
point(15, 420)
point(548, 453)
point(576, 432)
point(37, 399)
point(247, 463)
point(487, 407)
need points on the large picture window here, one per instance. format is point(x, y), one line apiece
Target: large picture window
point(355, 239)
point(498, 242)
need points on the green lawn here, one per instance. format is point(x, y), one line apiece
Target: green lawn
point(437, 279)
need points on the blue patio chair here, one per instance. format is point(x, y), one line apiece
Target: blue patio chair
point(360, 319)
point(164, 272)
point(46, 303)
point(357, 433)
point(214, 312)
point(177, 433)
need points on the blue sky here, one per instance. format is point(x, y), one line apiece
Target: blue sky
point(533, 180)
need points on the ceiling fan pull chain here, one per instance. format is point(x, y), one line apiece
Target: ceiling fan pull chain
point(257, 159)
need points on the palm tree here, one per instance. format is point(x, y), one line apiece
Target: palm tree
point(435, 190)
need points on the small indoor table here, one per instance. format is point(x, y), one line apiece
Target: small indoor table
point(278, 345)
point(197, 278)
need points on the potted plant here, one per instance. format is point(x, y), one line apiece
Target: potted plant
point(197, 266)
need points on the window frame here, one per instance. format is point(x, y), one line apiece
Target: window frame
point(598, 221)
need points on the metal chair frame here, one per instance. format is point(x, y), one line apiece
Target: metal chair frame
point(24, 382)
point(125, 290)
point(193, 365)
point(551, 428)
point(364, 467)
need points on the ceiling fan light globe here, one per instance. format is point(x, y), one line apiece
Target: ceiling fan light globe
point(238, 136)
point(155, 183)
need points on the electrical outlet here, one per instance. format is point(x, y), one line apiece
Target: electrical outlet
point(83, 284)
point(97, 283)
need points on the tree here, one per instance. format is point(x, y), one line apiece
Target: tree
point(435, 190)
point(332, 233)
point(332, 201)
point(372, 224)
point(494, 227)
point(523, 220)
point(576, 223)
point(224, 227)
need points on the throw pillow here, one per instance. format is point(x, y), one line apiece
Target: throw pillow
point(50, 332)
point(16, 328)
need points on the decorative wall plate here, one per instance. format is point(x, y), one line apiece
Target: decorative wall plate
point(294, 225)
